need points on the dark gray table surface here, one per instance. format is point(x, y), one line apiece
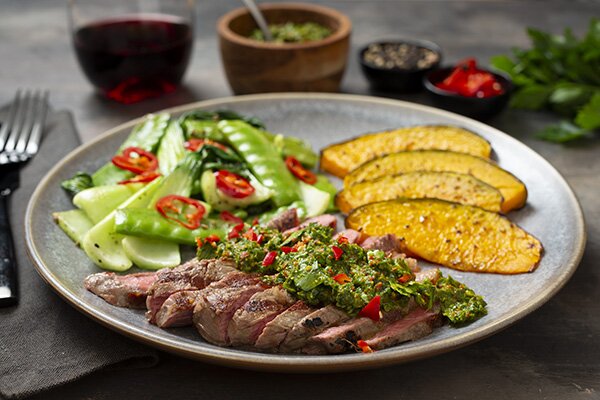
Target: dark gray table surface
point(554, 353)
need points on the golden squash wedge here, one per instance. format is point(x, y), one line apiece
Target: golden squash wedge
point(512, 189)
point(457, 236)
point(450, 186)
point(339, 159)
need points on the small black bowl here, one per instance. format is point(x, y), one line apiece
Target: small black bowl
point(396, 79)
point(474, 107)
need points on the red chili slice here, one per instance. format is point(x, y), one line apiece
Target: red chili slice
point(250, 235)
point(337, 252)
point(342, 278)
point(372, 309)
point(136, 160)
point(144, 177)
point(194, 144)
point(212, 239)
point(269, 258)
point(183, 210)
point(260, 238)
point(364, 346)
point(299, 171)
point(469, 81)
point(405, 278)
point(229, 217)
point(235, 231)
point(288, 249)
point(342, 239)
point(233, 185)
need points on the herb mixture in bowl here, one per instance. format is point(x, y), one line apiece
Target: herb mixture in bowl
point(294, 32)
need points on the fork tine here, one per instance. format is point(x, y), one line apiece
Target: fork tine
point(8, 124)
point(28, 122)
point(38, 124)
point(20, 114)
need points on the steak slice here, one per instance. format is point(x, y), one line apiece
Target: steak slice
point(431, 274)
point(121, 290)
point(312, 324)
point(341, 338)
point(325, 220)
point(216, 306)
point(249, 321)
point(276, 330)
point(391, 246)
point(177, 310)
point(284, 221)
point(350, 234)
point(417, 324)
point(192, 275)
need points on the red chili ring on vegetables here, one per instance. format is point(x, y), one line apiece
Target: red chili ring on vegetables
point(183, 210)
point(298, 170)
point(233, 185)
point(195, 144)
point(136, 160)
point(144, 177)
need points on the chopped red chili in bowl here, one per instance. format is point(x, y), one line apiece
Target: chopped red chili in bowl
point(466, 79)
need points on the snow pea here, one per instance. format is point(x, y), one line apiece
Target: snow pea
point(149, 224)
point(262, 159)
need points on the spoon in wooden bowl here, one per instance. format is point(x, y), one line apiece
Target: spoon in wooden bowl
point(259, 18)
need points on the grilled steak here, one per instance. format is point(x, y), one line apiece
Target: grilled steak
point(417, 324)
point(276, 330)
point(341, 338)
point(387, 243)
point(284, 221)
point(249, 321)
point(431, 274)
point(312, 324)
point(192, 275)
point(350, 234)
point(177, 309)
point(121, 290)
point(325, 220)
point(216, 306)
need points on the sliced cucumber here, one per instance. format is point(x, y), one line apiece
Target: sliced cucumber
point(151, 253)
point(221, 201)
point(315, 200)
point(102, 243)
point(75, 223)
point(99, 201)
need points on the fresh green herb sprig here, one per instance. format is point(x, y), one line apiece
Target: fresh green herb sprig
point(560, 73)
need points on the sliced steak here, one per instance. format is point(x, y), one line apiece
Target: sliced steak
point(284, 221)
point(417, 324)
point(387, 243)
point(350, 234)
point(325, 220)
point(430, 274)
point(216, 306)
point(312, 324)
point(276, 330)
point(249, 321)
point(177, 310)
point(192, 275)
point(121, 290)
point(341, 338)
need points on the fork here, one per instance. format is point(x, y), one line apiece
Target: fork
point(20, 137)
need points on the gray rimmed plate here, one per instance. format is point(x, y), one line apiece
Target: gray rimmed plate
point(552, 214)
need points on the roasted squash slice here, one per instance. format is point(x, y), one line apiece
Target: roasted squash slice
point(339, 159)
point(451, 186)
point(457, 236)
point(513, 190)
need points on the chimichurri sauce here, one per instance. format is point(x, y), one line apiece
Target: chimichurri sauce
point(321, 271)
point(294, 33)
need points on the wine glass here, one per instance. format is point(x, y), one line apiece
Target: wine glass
point(131, 50)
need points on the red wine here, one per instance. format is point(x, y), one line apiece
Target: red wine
point(132, 59)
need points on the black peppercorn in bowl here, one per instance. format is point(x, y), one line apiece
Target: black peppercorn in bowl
point(475, 107)
point(399, 65)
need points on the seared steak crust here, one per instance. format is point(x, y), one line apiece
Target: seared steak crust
point(177, 309)
point(121, 290)
point(277, 329)
point(417, 324)
point(312, 324)
point(284, 221)
point(249, 321)
point(341, 338)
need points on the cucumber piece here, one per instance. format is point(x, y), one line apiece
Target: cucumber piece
point(151, 254)
point(75, 223)
point(221, 201)
point(102, 243)
point(99, 201)
point(323, 183)
point(315, 200)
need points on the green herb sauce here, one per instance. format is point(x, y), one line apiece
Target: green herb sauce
point(309, 272)
point(294, 33)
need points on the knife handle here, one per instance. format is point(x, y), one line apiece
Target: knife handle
point(8, 263)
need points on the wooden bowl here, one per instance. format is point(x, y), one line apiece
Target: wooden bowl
point(252, 66)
